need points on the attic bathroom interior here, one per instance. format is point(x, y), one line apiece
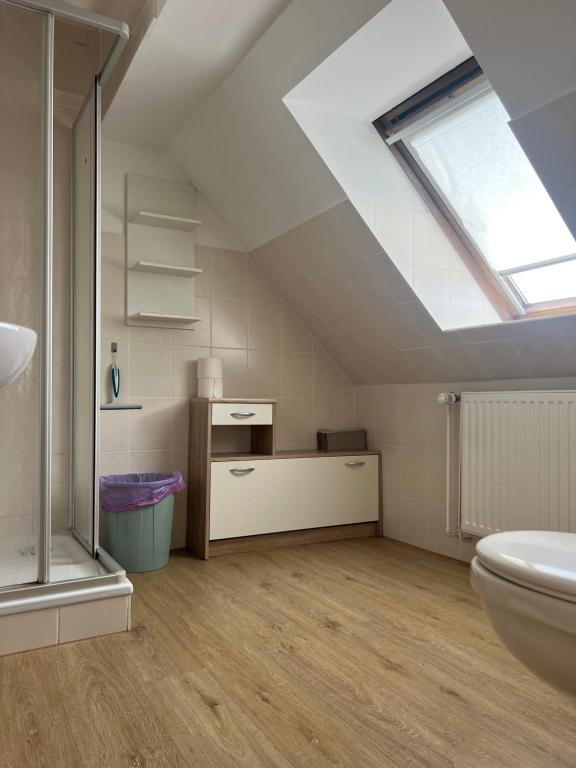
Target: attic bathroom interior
point(287, 383)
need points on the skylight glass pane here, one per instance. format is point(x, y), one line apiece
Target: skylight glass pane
point(557, 281)
point(478, 165)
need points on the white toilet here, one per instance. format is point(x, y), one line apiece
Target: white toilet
point(527, 584)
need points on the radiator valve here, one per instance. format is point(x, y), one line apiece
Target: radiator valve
point(448, 398)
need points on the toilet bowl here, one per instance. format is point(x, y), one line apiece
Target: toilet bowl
point(526, 581)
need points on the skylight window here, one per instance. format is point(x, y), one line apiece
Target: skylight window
point(454, 141)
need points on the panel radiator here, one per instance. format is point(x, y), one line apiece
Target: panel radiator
point(518, 462)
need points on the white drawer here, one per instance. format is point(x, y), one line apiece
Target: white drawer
point(241, 413)
point(272, 495)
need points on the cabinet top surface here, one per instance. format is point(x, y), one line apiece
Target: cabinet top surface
point(229, 400)
point(307, 454)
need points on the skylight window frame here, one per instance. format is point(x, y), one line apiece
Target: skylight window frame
point(465, 83)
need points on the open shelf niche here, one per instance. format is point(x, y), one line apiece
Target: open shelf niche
point(160, 253)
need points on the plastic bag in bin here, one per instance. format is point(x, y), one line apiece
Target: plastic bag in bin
point(120, 493)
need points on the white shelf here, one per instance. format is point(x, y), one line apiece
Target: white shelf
point(166, 318)
point(175, 270)
point(151, 219)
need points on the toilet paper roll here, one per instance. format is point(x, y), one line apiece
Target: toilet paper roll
point(209, 386)
point(210, 367)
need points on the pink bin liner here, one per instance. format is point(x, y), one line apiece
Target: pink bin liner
point(120, 493)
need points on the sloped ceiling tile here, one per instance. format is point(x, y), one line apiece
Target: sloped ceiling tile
point(335, 277)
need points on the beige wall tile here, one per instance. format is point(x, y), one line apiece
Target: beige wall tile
point(201, 334)
point(114, 462)
point(413, 472)
point(184, 377)
point(60, 424)
point(151, 369)
point(229, 323)
point(264, 325)
point(259, 287)
point(180, 412)
point(26, 631)
point(142, 335)
point(264, 372)
point(114, 431)
point(113, 325)
point(60, 367)
point(150, 461)
point(60, 491)
point(329, 380)
point(391, 475)
point(151, 428)
point(297, 375)
point(333, 413)
point(295, 336)
point(229, 274)
point(435, 462)
point(203, 260)
point(295, 424)
point(98, 617)
point(235, 362)
point(113, 260)
point(411, 421)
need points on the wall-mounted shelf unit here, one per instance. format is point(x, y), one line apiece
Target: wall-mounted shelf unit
point(166, 318)
point(173, 270)
point(160, 253)
point(151, 219)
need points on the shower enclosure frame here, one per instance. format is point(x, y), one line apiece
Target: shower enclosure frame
point(50, 10)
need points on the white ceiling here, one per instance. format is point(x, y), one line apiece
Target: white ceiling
point(190, 48)
point(402, 49)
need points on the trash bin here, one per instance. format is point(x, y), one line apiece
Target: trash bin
point(140, 510)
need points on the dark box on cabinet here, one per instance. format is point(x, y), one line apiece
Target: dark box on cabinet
point(341, 440)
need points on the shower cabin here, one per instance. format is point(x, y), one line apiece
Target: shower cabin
point(51, 77)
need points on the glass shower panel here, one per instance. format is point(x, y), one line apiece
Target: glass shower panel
point(22, 50)
point(85, 322)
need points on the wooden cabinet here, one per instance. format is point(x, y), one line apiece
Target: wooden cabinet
point(248, 493)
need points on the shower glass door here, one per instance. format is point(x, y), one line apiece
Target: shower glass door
point(24, 41)
point(85, 333)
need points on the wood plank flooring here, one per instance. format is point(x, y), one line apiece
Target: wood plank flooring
point(355, 654)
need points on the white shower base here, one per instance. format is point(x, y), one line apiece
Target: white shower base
point(84, 599)
point(69, 560)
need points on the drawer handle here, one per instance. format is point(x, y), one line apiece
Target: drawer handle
point(355, 463)
point(245, 471)
point(242, 414)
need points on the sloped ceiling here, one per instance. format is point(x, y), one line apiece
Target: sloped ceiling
point(334, 274)
point(191, 46)
point(242, 147)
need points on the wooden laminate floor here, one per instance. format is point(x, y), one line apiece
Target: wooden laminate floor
point(354, 653)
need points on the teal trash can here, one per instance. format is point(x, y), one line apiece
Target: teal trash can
point(140, 510)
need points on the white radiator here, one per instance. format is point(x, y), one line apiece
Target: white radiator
point(517, 462)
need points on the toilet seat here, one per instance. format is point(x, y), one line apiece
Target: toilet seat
point(541, 561)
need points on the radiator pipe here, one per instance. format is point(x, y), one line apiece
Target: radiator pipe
point(449, 399)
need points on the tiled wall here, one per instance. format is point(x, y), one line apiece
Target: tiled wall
point(335, 275)
point(409, 426)
point(430, 263)
point(267, 353)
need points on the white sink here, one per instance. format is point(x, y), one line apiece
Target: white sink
point(17, 346)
